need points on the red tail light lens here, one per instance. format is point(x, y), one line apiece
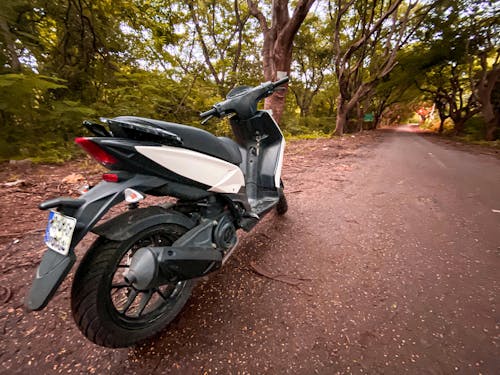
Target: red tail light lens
point(110, 177)
point(95, 151)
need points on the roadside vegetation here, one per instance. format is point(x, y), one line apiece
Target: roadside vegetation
point(354, 65)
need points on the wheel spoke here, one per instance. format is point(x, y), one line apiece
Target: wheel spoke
point(120, 285)
point(146, 297)
point(130, 301)
point(156, 240)
point(161, 294)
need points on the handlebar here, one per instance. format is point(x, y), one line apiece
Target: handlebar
point(211, 112)
point(281, 82)
point(244, 104)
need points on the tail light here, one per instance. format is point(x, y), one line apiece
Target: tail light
point(110, 177)
point(96, 152)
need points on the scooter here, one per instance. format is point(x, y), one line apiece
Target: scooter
point(138, 274)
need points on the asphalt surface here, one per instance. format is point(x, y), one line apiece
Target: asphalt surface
point(387, 262)
point(397, 250)
point(422, 218)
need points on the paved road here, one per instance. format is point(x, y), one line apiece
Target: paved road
point(386, 263)
point(421, 217)
point(402, 249)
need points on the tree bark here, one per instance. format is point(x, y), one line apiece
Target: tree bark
point(441, 127)
point(441, 124)
point(278, 43)
point(459, 125)
point(491, 133)
point(341, 120)
point(359, 115)
point(484, 91)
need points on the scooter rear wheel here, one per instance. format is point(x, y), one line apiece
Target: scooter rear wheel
point(109, 311)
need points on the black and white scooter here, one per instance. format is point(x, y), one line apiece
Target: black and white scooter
point(138, 274)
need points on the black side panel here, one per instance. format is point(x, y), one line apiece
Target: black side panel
point(182, 191)
point(132, 222)
point(49, 275)
point(263, 125)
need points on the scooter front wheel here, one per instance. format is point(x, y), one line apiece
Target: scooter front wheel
point(282, 205)
point(109, 311)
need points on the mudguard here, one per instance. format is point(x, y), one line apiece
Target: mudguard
point(49, 275)
point(89, 210)
point(134, 221)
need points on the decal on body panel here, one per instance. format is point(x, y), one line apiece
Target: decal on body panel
point(223, 177)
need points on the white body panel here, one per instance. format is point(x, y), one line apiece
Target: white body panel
point(279, 164)
point(222, 176)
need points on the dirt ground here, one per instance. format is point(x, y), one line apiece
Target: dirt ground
point(386, 263)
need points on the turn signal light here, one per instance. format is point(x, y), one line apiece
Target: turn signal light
point(133, 196)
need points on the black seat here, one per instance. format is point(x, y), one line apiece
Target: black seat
point(193, 138)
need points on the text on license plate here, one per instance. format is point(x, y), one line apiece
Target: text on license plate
point(59, 232)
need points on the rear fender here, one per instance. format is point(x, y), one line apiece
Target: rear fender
point(105, 195)
point(87, 210)
point(135, 221)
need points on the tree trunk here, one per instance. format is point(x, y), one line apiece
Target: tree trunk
point(485, 91)
point(359, 115)
point(278, 61)
point(342, 112)
point(491, 133)
point(459, 125)
point(376, 121)
point(278, 43)
point(441, 124)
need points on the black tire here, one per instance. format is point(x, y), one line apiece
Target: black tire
point(282, 205)
point(97, 289)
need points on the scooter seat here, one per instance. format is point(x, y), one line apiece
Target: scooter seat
point(193, 138)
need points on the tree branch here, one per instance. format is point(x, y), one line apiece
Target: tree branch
point(204, 48)
point(254, 11)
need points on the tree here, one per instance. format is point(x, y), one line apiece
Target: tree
point(457, 62)
point(392, 90)
point(489, 109)
point(219, 27)
point(278, 43)
point(366, 37)
point(310, 63)
point(486, 27)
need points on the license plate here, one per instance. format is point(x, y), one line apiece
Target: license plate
point(59, 232)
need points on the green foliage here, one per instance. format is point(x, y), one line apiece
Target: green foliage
point(51, 151)
point(65, 61)
point(310, 125)
point(474, 128)
point(308, 135)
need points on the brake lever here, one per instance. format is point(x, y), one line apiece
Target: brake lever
point(206, 119)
